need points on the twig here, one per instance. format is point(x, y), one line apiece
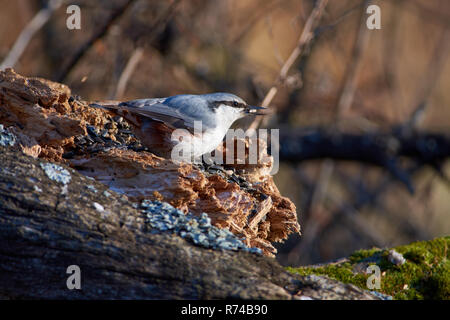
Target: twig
point(128, 71)
point(96, 36)
point(137, 54)
point(390, 46)
point(305, 38)
point(327, 167)
point(435, 66)
point(434, 70)
point(348, 90)
point(318, 215)
point(313, 228)
point(28, 32)
point(287, 112)
point(276, 50)
point(250, 22)
point(435, 16)
point(372, 197)
point(339, 19)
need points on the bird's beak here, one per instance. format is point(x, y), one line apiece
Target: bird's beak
point(257, 111)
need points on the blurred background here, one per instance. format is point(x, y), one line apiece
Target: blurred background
point(315, 62)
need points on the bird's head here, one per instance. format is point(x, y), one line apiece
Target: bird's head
point(233, 105)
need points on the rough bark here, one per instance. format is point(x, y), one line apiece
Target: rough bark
point(46, 227)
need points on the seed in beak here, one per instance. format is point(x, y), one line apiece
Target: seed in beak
point(256, 110)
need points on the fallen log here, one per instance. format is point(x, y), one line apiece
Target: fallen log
point(51, 221)
point(55, 219)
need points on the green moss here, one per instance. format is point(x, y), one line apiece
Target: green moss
point(363, 254)
point(425, 275)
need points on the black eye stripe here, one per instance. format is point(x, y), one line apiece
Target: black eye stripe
point(234, 104)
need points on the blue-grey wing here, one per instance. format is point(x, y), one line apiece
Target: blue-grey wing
point(177, 113)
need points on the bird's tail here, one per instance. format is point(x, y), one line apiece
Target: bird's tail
point(117, 109)
point(110, 105)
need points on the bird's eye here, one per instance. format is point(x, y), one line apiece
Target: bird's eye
point(235, 103)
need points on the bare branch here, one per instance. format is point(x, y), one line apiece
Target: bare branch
point(96, 36)
point(250, 22)
point(305, 38)
point(28, 32)
point(276, 50)
point(349, 87)
point(327, 167)
point(137, 54)
point(380, 149)
point(127, 72)
point(434, 70)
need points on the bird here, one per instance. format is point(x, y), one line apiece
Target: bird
point(196, 124)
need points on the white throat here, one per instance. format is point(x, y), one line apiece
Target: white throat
point(207, 139)
point(212, 137)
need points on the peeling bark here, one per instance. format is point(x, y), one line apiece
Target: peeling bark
point(53, 126)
